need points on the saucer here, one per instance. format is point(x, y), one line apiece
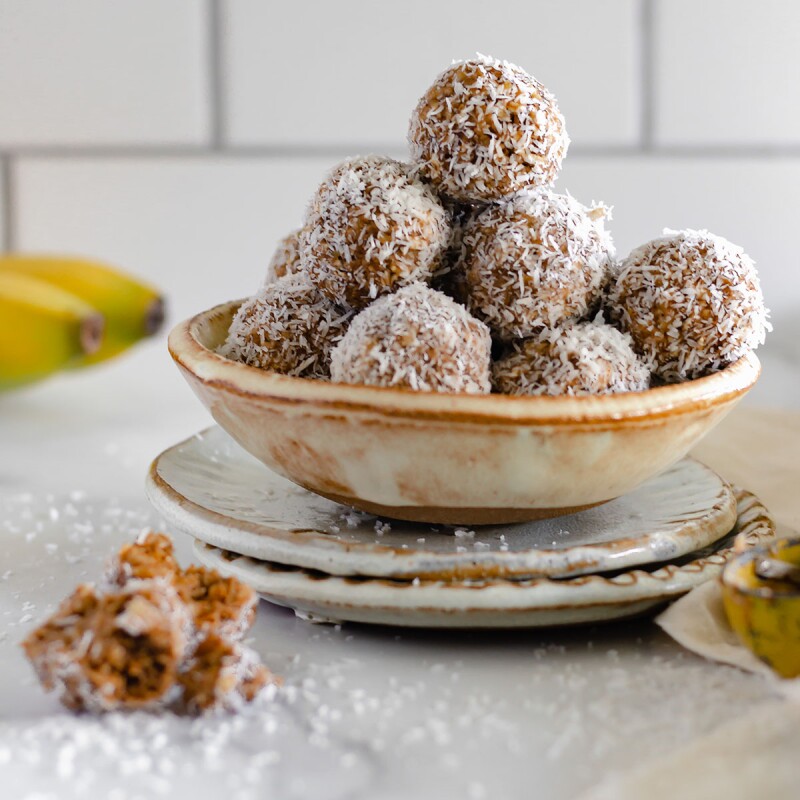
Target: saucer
point(210, 488)
point(493, 603)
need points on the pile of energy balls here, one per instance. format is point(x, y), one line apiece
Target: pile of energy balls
point(462, 271)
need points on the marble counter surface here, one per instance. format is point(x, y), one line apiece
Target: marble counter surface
point(365, 712)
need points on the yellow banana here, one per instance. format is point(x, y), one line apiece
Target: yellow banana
point(42, 329)
point(132, 309)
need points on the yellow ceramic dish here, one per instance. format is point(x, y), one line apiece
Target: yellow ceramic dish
point(444, 458)
point(761, 592)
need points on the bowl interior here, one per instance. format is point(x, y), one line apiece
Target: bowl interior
point(194, 342)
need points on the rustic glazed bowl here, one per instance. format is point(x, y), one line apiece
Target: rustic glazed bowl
point(458, 459)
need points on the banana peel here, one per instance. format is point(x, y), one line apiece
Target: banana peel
point(43, 328)
point(761, 594)
point(132, 308)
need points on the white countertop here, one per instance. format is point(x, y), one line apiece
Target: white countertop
point(366, 712)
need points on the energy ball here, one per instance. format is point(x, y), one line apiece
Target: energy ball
point(416, 339)
point(288, 327)
point(286, 258)
point(114, 651)
point(150, 557)
point(692, 303)
point(487, 130)
point(371, 228)
point(579, 358)
point(223, 605)
point(535, 262)
point(221, 674)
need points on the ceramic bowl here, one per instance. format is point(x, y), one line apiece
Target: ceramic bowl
point(458, 459)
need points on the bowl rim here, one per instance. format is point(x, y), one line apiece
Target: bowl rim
point(218, 372)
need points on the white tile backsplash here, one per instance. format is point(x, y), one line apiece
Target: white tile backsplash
point(103, 72)
point(742, 200)
point(205, 228)
point(121, 99)
point(351, 71)
point(726, 72)
point(202, 229)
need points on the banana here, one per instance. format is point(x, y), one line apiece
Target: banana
point(132, 309)
point(42, 329)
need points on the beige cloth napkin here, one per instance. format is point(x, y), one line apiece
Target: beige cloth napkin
point(754, 756)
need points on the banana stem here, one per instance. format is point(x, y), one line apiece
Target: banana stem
point(91, 333)
point(154, 316)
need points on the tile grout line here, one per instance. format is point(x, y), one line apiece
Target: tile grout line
point(8, 243)
point(714, 152)
point(647, 81)
point(216, 85)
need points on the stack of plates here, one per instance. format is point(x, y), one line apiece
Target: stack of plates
point(328, 562)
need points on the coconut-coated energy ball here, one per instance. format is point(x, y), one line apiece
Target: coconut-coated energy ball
point(691, 301)
point(487, 130)
point(288, 327)
point(535, 262)
point(416, 339)
point(371, 228)
point(578, 358)
point(286, 258)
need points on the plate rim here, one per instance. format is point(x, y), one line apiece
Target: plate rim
point(592, 592)
point(314, 549)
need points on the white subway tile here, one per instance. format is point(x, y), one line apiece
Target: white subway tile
point(205, 229)
point(351, 71)
point(743, 200)
point(96, 72)
point(727, 71)
point(201, 229)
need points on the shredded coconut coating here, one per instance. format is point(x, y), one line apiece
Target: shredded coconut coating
point(486, 130)
point(215, 603)
point(288, 327)
point(151, 636)
point(223, 605)
point(578, 358)
point(535, 262)
point(692, 303)
point(221, 674)
point(286, 258)
point(113, 651)
point(150, 556)
point(371, 228)
point(416, 339)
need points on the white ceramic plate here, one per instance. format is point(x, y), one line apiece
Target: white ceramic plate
point(213, 490)
point(497, 603)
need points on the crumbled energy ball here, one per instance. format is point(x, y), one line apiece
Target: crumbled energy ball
point(118, 650)
point(153, 636)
